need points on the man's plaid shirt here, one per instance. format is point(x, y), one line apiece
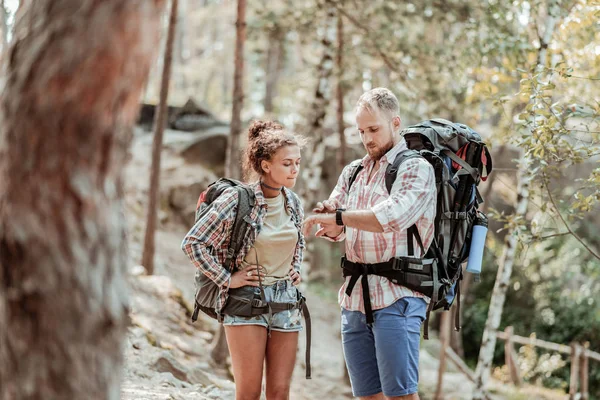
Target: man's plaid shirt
point(207, 242)
point(412, 200)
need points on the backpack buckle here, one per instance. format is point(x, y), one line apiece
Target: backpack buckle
point(343, 261)
point(397, 264)
point(258, 303)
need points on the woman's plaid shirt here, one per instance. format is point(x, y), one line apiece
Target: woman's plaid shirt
point(412, 200)
point(207, 242)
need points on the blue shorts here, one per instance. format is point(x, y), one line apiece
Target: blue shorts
point(384, 357)
point(284, 321)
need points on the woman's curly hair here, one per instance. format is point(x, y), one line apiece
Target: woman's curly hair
point(265, 138)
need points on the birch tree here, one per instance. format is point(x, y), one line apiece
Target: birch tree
point(524, 176)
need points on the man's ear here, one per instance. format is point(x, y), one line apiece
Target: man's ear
point(397, 122)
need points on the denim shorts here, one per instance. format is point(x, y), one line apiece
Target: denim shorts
point(285, 321)
point(384, 357)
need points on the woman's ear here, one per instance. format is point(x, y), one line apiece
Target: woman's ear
point(265, 166)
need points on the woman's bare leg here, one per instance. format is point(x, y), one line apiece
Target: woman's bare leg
point(281, 358)
point(247, 345)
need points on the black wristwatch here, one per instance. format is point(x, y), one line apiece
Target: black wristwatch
point(338, 216)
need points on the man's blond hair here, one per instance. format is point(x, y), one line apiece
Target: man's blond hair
point(379, 99)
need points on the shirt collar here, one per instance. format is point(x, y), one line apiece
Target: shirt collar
point(390, 156)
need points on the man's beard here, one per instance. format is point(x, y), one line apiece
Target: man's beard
point(377, 153)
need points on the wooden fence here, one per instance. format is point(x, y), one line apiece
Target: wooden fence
point(580, 356)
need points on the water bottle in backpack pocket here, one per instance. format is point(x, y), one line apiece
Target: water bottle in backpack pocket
point(478, 235)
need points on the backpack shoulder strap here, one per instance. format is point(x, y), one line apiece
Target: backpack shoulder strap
point(392, 169)
point(246, 201)
point(390, 177)
point(357, 166)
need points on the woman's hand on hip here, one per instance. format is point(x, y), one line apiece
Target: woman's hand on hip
point(248, 276)
point(295, 276)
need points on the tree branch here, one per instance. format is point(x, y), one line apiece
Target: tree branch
point(540, 238)
point(566, 224)
point(584, 77)
point(389, 63)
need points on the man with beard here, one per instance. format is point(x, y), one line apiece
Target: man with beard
point(380, 331)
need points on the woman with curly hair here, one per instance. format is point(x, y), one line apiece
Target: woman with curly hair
point(267, 267)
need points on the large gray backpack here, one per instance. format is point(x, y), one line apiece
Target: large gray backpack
point(460, 160)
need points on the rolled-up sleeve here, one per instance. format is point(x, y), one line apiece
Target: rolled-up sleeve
point(412, 194)
point(339, 196)
point(209, 235)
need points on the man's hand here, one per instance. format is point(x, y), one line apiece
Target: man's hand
point(327, 225)
point(331, 231)
point(325, 228)
point(324, 206)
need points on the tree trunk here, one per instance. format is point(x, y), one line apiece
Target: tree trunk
point(232, 166)
point(316, 154)
point(341, 160)
point(70, 98)
point(274, 64)
point(488, 343)
point(160, 121)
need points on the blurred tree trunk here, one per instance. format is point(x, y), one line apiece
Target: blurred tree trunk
point(322, 99)
point(340, 93)
point(160, 120)
point(488, 342)
point(232, 166)
point(274, 65)
point(70, 97)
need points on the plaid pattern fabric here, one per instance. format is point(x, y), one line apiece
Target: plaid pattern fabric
point(412, 200)
point(207, 242)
